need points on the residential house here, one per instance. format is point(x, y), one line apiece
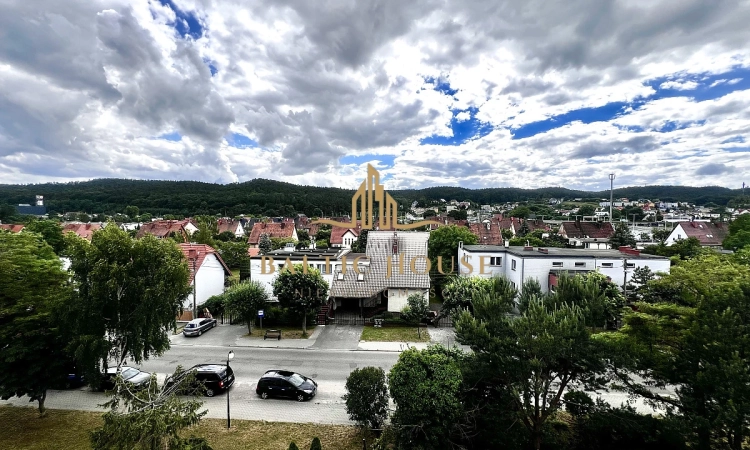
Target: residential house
point(709, 234)
point(167, 228)
point(84, 230)
point(13, 228)
point(397, 268)
point(273, 230)
point(546, 265)
point(208, 275)
point(589, 235)
point(488, 232)
point(344, 237)
point(232, 226)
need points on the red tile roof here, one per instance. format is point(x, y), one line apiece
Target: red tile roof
point(337, 234)
point(163, 228)
point(253, 251)
point(597, 230)
point(491, 235)
point(274, 230)
point(13, 228)
point(198, 252)
point(710, 234)
point(229, 225)
point(84, 230)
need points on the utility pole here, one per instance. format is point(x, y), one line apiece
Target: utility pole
point(611, 186)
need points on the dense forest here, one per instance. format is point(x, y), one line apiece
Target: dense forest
point(275, 198)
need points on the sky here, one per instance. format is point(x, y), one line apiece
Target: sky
point(475, 94)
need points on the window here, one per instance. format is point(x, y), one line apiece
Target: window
point(557, 264)
point(340, 276)
point(513, 265)
point(607, 265)
point(360, 277)
point(496, 261)
point(580, 264)
point(630, 265)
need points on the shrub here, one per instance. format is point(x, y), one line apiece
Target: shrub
point(367, 397)
point(216, 305)
point(315, 445)
point(293, 446)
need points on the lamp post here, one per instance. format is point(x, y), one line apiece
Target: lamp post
point(229, 357)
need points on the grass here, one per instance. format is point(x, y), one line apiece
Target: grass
point(286, 332)
point(394, 334)
point(69, 430)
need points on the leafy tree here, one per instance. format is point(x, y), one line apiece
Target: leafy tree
point(429, 213)
point(216, 305)
point(322, 243)
point(207, 229)
point(622, 236)
point(443, 244)
point(301, 289)
point(524, 230)
point(324, 234)
point(7, 213)
point(225, 236)
point(531, 289)
point(660, 234)
point(586, 210)
point(739, 233)
point(32, 284)
point(278, 243)
point(366, 397)
point(415, 311)
point(639, 282)
point(132, 212)
point(83, 217)
point(51, 233)
point(233, 253)
point(506, 233)
point(145, 217)
point(536, 356)
point(128, 295)
point(458, 214)
point(149, 419)
point(522, 241)
point(360, 245)
point(522, 212)
point(264, 244)
point(245, 299)
point(425, 385)
point(315, 444)
point(317, 212)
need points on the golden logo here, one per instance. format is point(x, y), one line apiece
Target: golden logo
point(370, 192)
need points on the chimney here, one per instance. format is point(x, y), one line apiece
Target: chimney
point(507, 243)
point(528, 248)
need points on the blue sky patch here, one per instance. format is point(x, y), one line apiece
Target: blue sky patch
point(737, 149)
point(585, 115)
point(187, 23)
point(441, 85)
point(240, 141)
point(671, 125)
point(173, 136)
point(463, 130)
point(386, 160)
point(211, 66)
point(739, 139)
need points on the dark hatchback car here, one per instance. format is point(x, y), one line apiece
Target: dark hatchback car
point(283, 383)
point(210, 379)
point(130, 375)
point(196, 327)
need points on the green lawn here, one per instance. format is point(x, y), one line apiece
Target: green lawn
point(394, 334)
point(69, 430)
point(286, 332)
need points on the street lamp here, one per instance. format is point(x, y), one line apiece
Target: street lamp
point(229, 357)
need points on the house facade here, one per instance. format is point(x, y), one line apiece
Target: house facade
point(208, 275)
point(230, 225)
point(709, 234)
point(166, 228)
point(344, 237)
point(587, 235)
point(285, 229)
point(546, 265)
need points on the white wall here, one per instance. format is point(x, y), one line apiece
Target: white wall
point(677, 234)
point(209, 281)
point(397, 297)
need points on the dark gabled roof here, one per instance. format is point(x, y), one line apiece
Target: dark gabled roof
point(709, 234)
point(599, 230)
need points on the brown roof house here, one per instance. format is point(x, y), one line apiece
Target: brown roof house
point(488, 232)
point(13, 228)
point(166, 228)
point(208, 275)
point(273, 230)
point(383, 285)
point(84, 230)
point(591, 235)
point(231, 225)
point(709, 234)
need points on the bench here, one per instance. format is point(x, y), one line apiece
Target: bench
point(272, 334)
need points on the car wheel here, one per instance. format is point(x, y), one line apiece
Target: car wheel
point(214, 325)
point(210, 392)
point(300, 398)
point(200, 332)
point(264, 395)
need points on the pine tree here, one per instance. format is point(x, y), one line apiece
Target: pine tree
point(264, 244)
point(316, 444)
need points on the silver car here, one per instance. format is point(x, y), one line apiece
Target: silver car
point(196, 327)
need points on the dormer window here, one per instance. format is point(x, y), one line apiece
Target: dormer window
point(360, 277)
point(340, 276)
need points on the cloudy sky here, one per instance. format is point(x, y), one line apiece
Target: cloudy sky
point(477, 94)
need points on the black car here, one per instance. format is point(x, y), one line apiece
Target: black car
point(130, 375)
point(283, 383)
point(196, 327)
point(210, 379)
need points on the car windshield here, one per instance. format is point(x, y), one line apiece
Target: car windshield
point(129, 373)
point(191, 325)
point(296, 380)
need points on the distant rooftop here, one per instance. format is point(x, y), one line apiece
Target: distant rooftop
point(558, 252)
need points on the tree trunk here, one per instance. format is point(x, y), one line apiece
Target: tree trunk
point(419, 332)
point(304, 325)
point(704, 438)
point(537, 440)
point(41, 400)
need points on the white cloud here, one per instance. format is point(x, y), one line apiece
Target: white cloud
point(86, 87)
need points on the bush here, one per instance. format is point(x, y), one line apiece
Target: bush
point(216, 305)
point(578, 403)
point(293, 446)
point(276, 315)
point(367, 397)
point(315, 445)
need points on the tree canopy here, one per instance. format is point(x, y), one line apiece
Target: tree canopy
point(301, 289)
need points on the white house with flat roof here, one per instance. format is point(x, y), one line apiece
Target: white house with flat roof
point(518, 264)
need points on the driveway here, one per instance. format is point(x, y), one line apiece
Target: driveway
point(222, 336)
point(338, 337)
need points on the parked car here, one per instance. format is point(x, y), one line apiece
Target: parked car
point(131, 375)
point(283, 383)
point(196, 327)
point(211, 379)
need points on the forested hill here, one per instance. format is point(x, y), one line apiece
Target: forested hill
point(274, 198)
